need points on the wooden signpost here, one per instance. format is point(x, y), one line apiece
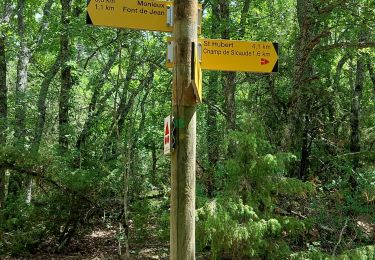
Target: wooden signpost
point(187, 55)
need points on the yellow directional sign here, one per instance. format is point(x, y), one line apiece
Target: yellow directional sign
point(229, 55)
point(196, 73)
point(135, 14)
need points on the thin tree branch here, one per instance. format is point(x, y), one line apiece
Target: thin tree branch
point(358, 45)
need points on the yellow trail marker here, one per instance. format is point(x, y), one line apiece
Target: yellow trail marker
point(229, 55)
point(135, 14)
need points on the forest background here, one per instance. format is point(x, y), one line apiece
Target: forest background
point(285, 161)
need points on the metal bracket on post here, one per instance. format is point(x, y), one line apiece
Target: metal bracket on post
point(199, 19)
point(200, 52)
point(170, 15)
point(170, 52)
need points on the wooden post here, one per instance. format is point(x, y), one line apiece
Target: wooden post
point(182, 237)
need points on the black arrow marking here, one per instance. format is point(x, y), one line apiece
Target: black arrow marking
point(88, 18)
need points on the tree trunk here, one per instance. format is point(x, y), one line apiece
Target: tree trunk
point(21, 88)
point(154, 157)
point(296, 134)
point(305, 150)
point(355, 147)
point(97, 83)
point(66, 79)
point(39, 126)
point(228, 78)
point(372, 75)
point(212, 134)
point(124, 223)
point(21, 84)
point(336, 87)
point(3, 112)
point(3, 92)
point(6, 12)
point(243, 21)
point(125, 104)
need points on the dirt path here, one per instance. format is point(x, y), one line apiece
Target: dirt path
point(101, 243)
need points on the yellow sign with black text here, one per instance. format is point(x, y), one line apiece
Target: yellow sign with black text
point(229, 55)
point(134, 14)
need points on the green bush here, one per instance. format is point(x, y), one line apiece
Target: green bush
point(230, 228)
point(23, 227)
point(243, 221)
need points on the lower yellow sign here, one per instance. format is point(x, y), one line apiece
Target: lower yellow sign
point(135, 14)
point(229, 55)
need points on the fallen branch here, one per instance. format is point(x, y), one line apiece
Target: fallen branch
point(340, 236)
point(39, 174)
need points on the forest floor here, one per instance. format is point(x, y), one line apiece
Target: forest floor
point(101, 243)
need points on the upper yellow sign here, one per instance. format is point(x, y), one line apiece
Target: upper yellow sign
point(135, 14)
point(228, 55)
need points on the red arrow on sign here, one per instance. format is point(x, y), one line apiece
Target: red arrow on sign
point(166, 129)
point(166, 134)
point(264, 62)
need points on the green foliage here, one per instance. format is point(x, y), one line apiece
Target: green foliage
point(259, 175)
point(243, 222)
point(233, 230)
point(361, 253)
point(61, 200)
point(23, 227)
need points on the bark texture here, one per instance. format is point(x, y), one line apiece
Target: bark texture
point(3, 92)
point(66, 77)
point(42, 109)
point(212, 135)
point(228, 78)
point(372, 75)
point(5, 14)
point(21, 83)
point(299, 112)
point(93, 110)
point(355, 147)
point(3, 113)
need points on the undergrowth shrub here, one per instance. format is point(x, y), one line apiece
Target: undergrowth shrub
point(245, 220)
point(22, 226)
point(60, 201)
